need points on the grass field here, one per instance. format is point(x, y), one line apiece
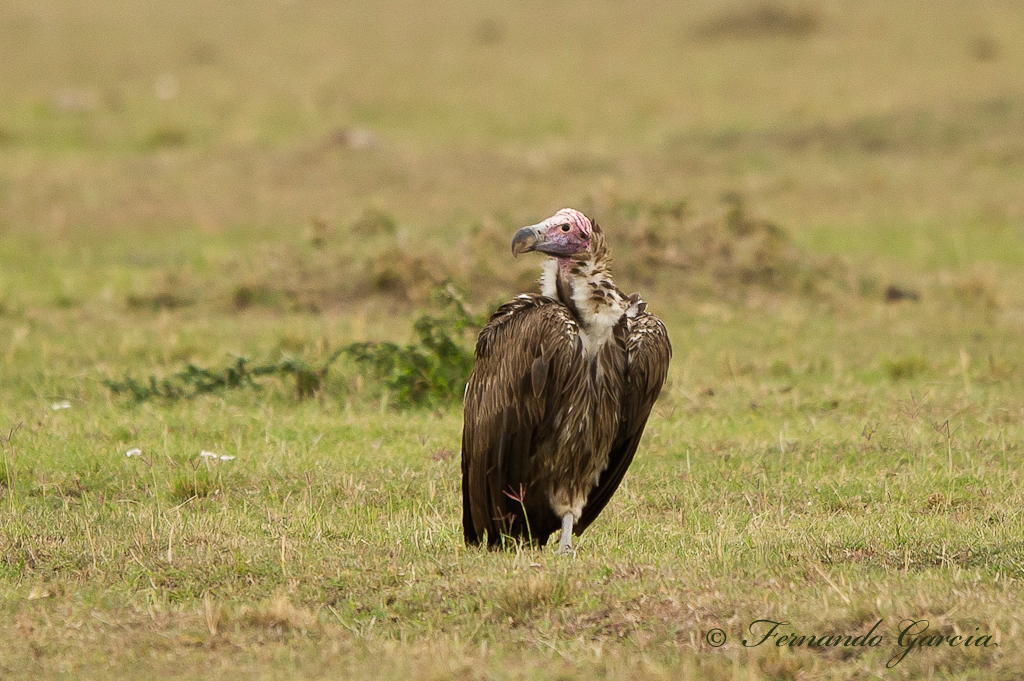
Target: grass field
point(838, 443)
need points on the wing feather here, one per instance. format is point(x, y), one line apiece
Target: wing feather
point(526, 357)
point(648, 352)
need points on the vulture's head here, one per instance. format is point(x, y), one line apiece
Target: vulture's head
point(562, 235)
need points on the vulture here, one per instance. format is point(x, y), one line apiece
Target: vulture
point(561, 389)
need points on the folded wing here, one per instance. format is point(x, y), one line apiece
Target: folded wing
point(528, 357)
point(648, 352)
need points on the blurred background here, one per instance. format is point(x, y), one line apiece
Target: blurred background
point(822, 199)
point(305, 154)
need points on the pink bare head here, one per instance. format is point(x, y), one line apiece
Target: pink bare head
point(564, 234)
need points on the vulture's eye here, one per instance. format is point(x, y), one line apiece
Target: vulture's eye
point(565, 228)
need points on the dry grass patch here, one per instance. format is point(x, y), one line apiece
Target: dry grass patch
point(760, 20)
point(725, 252)
point(532, 595)
point(280, 615)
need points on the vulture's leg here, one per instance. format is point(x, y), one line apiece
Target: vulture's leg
point(565, 543)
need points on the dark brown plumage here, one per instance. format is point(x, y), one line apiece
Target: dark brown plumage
point(561, 390)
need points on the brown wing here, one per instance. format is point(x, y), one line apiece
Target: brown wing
point(648, 352)
point(527, 357)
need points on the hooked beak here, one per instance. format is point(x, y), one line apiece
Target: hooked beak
point(526, 240)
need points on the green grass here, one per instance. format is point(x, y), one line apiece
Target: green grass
point(191, 183)
point(778, 461)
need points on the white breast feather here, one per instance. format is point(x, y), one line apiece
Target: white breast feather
point(599, 318)
point(549, 279)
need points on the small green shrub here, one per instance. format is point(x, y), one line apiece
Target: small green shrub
point(433, 370)
point(194, 380)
